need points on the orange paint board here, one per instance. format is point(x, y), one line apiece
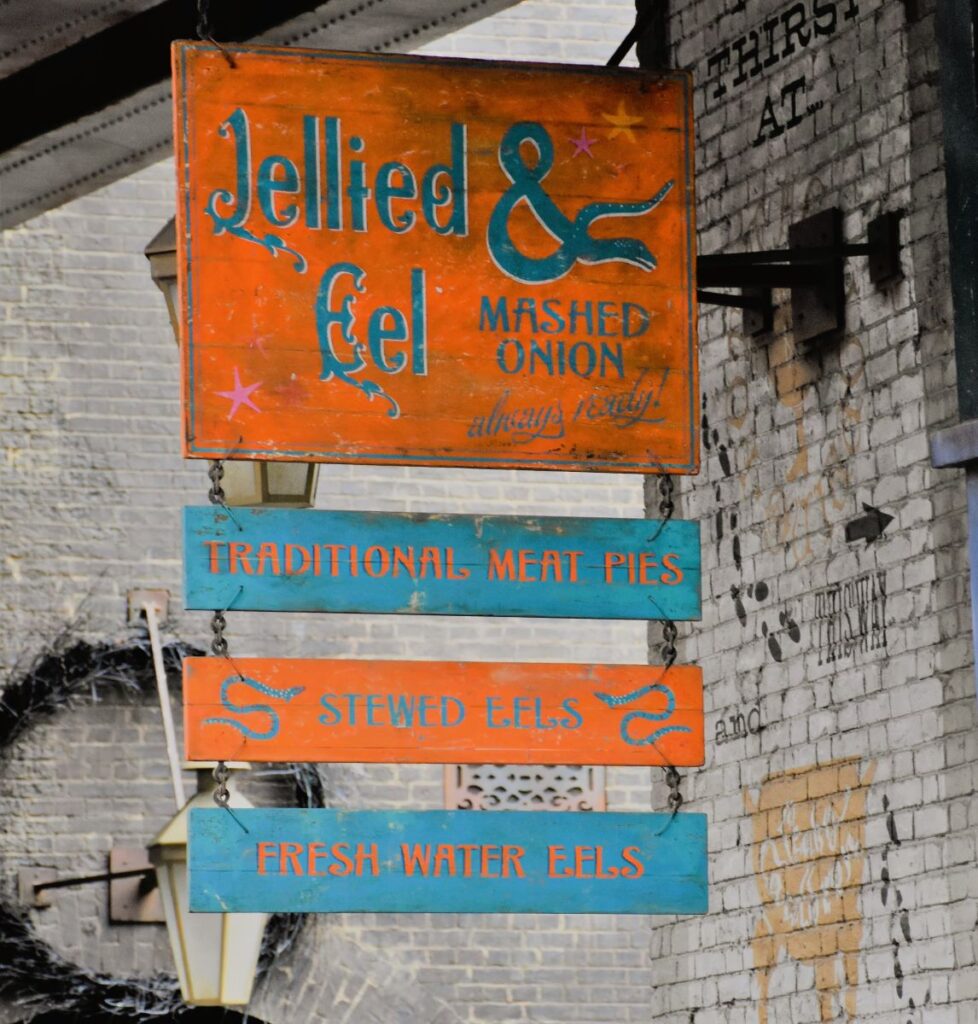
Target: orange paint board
point(442, 712)
point(404, 260)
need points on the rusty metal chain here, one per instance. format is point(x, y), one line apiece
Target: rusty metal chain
point(666, 492)
point(221, 775)
point(216, 473)
point(219, 644)
point(673, 779)
point(203, 19)
point(219, 648)
point(668, 648)
point(206, 32)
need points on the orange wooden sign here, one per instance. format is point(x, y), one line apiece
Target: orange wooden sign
point(391, 259)
point(422, 712)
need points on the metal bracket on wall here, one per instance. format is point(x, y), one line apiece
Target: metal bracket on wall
point(133, 895)
point(811, 267)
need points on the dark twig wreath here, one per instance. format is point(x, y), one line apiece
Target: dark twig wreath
point(33, 973)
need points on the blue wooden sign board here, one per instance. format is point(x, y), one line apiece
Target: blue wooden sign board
point(309, 560)
point(298, 861)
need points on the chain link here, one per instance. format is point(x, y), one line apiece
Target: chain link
point(666, 490)
point(203, 19)
point(216, 474)
point(219, 644)
point(668, 649)
point(673, 779)
point(221, 775)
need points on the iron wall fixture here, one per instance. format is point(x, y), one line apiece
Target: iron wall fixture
point(811, 267)
point(133, 894)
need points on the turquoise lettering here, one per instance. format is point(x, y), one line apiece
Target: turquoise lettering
point(310, 151)
point(385, 191)
point(576, 242)
point(333, 715)
point(444, 185)
point(270, 185)
point(493, 319)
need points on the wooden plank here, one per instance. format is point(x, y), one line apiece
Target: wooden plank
point(375, 267)
point(436, 712)
point(309, 560)
point(300, 861)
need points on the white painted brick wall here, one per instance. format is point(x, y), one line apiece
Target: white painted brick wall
point(876, 932)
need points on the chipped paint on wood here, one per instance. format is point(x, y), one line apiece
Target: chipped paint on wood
point(382, 260)
point(549, 566)
point(300, 861)
point(431, 712)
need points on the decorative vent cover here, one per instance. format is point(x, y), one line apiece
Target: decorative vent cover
point(519, 787)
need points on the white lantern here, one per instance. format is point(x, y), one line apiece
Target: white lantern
point(216, 954)
point(162, 255)
point(270, 484)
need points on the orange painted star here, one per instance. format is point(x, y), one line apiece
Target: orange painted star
point(622, 123)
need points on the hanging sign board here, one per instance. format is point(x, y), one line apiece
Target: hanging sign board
point(431, 712)
point(300, 861)
point(309, 560)
point(382, 260)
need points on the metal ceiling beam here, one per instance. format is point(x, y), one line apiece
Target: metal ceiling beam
point(99, 109)
point(120, 60)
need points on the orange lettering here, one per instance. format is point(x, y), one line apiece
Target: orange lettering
point(467, 850)
point(238, 551)
point(344, 865)
point(550, 563)
point(599, 869)
point(431, 559)
point(462, 573)
point(583, 859)
point(362, 856)
point(265, 852)
point(405, 559)
point(445, 858)
point(646, 561)
point(669, 562)
point(501, 566)
point(512, 856)
point(268, 552)
point(631, 855)
point(415, 858)
point(215, 546)
point(612, 559)
point(334, 557)
point(489, 855)
point(572, 557)
point(317, 851)
point(528, 561)
point(369, 557)
point(290, 854)
point(290, 566)
point(555, 857)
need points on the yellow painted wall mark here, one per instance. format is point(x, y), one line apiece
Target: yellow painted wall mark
point(809, 860)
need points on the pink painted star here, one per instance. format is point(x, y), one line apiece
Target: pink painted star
point(582, 144)
point(240, 395)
